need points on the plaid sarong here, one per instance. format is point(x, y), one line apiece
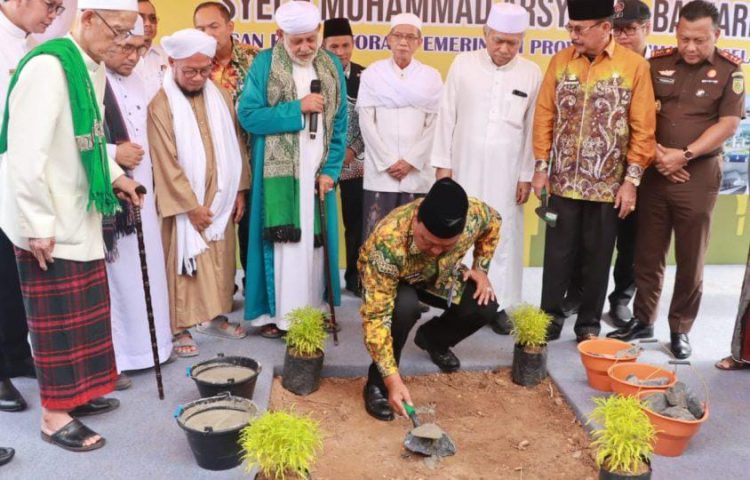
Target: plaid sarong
point(68, 313)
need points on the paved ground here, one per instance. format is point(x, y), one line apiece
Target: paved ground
point(145, 442)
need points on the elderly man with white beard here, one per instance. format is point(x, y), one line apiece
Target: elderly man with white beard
point(291, 162)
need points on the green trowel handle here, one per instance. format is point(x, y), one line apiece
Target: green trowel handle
point(412, 413)
point(543, 195)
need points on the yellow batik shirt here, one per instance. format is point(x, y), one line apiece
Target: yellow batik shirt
point(595, 122)
point(390, 256)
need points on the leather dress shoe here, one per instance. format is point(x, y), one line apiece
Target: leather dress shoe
point(446, 360)
point(95, 407)
point(500, 323)
point(620, 315)
point(680, 345)
point(634, 329)
point(6, 455)
point(376, 403)
point(10, 398)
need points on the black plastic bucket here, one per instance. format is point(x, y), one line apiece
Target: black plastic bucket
point(213, 425)
point(529, 369)
point(301, 375)
point(210, 384)
point(606, 475)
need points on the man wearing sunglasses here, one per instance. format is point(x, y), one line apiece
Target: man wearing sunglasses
point(593, 137)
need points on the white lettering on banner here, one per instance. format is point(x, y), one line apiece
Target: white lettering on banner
point(734, 17)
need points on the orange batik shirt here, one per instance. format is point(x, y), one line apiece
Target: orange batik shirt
point(595, 122)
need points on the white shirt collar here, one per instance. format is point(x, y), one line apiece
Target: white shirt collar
point(11, 28)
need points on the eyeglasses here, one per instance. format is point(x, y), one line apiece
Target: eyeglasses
point(580, 30)
point(54, 8)
point(152, 18)
point(192, 72)
point(119, 36)
point(629, 30)
point(129, 49)
point(404, 36)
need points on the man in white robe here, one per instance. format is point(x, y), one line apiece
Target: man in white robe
point(483, 139)
point(397, 105)
point(155, 61)
point(130, 329)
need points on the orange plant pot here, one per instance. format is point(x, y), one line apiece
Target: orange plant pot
point(672, 435)
point(618, 372)
point(597, 356)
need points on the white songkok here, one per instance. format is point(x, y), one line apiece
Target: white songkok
point(297, 17)
point(406, 19)
point(121, 5)
point(508, 18)
point(188, 42)
point(138, 29)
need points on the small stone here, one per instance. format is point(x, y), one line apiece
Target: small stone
point(518, 469)
point(678, 413)
point(577, 454)
point(628, 352)
point(655, 382)
point(656, 402)
point(523, 444)
point(677, 395)
point(695, 406)
point(633, 379)
point(558, 401)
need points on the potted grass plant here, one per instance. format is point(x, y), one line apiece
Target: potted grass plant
point(530, 351)
point(625, 442)
point(305, 342)
point(282, 445)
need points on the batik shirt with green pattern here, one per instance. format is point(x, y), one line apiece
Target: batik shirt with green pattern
point(390, 256)
point(231, 76)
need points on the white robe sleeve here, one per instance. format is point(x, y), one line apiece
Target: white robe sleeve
point(375, 147)
point(418, 155)
point(527, 162)
point(446, 122)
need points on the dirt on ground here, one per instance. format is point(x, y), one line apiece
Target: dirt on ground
point(501, 430)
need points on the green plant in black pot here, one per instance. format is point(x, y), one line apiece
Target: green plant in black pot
point(283, 445)
point(530, 352)
point(305, 342)
point(625, 442)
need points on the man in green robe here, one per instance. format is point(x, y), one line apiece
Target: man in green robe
point(293, 163)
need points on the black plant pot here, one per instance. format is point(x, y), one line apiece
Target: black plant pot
point(607, 475)
point(301, 375)
point(529, 368)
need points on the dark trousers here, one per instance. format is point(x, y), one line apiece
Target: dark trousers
point(583, 240)
point(15, 353)
point(243, 233)
point(455, 324)
point(686, 209)
point(351, 211)
point(624, 271)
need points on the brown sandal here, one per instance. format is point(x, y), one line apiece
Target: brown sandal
point(271, 331)
point(730, 363)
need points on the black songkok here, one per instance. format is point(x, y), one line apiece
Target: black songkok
point(443, 210)
point(590, 9)
point(336, 27)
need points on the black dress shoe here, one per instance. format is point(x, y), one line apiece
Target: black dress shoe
point(95, 407)
point(680, 345)
point(6, 455)
point(446, 360)
point(376, 403)
point(500, 323)
point(10, 398)
point(634, 329)
point(354, 289)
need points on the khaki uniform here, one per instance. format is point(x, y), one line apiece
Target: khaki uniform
point(690, 99)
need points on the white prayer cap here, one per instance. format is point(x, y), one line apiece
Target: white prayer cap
point(406, 19)
point(297, 17)
point(121, 5)
point(508, 18)
point(138, 28)
point(188, 42)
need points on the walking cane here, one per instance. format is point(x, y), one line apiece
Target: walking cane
point(141, 190)
point(329, 280)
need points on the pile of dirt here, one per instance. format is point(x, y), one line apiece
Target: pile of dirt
point(501, 430)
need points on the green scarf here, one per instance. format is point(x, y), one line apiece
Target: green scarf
point(281, 202)
point(87, 120)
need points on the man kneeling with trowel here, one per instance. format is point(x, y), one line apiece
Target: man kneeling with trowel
point(413, 255)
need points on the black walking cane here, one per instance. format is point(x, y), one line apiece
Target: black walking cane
point(329, 280)
point(141, 190)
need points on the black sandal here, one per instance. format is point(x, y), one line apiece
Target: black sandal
point(271, 331)
point(95, 407)
point(72, 436)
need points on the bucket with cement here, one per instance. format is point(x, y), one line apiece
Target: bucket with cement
point(236, 375)
point(213, 425)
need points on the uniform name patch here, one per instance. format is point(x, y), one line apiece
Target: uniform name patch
point(668, 81)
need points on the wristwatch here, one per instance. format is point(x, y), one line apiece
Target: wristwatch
point(634, 180)
point(541, 166)
point(687, 154)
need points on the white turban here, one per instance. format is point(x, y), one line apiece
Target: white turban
point(138, 28)
point(121, 5)
point(188, 42)
point(508, 18)
point(297, 17)
point(406, 19)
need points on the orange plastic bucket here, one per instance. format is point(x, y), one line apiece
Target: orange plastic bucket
point(597, 355)
point(672, 435)
point(618, 372)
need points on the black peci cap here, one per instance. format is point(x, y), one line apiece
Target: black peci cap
point(335, 27)
point(443, 210)
point(590, 9)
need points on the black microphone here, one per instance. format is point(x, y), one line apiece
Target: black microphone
point(314, 88)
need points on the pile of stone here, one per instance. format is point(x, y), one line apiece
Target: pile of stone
point(676, 402)
point(651, 382)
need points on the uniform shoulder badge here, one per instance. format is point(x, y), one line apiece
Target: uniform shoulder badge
point(663, 52)
point(729, 56)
